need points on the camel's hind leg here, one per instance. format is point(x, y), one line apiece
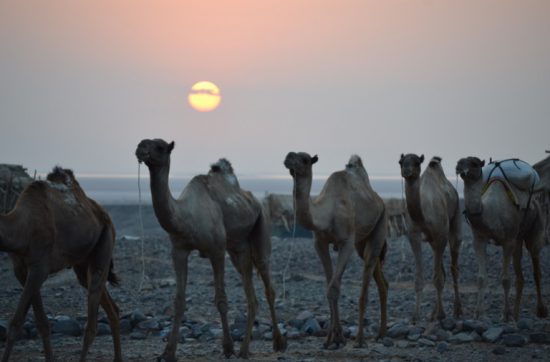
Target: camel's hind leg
point(454, 243)
point(98, 266)
point(519, 279)
point(261, 253)
point(415, 239)
point(508, 249)
point(108, 305)
point(480, 248)
point(438, 312)
point(218, 266)
point(31, 291)
point(534, 243)
point(242, 261)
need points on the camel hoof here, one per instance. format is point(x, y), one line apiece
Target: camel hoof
point(228, 350)
point(243, 355)
point(165, 358)
point(279, 343)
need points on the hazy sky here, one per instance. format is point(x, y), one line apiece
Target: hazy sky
point(82, 82)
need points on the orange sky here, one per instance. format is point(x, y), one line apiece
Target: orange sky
point(304, 72)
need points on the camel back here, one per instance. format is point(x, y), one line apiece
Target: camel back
point(13, 180)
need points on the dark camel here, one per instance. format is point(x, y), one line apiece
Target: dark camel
point(54, 226)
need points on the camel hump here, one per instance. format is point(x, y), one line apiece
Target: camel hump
point(435, 161)
point(222, 166)
point(514, 171)
point(354, 162)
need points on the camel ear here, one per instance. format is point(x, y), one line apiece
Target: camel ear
point(482, 163)
point(314, 159)
point(401, 159)
point(170, 146)
point(421, 158)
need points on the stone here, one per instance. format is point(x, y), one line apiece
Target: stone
point(448, 324)
point(525, 323)
point(103, 329)
point(149, 324)
point(499, 350)
point(540, 337)
point(311, 327)
point(474, 325)
point(402, 344)
point(137, 317)
point(398, 330)
point(413, 337)
point(125, 326)
point(139, 335)
point(67, 326)
point(514, 340)
point(493, 334)
point(462, 337)
point(293, 334)
point(442, 347)
point(387, 342)
point(424, 342)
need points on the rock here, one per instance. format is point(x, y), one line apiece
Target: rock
point(426, 342)
point(237, 333)
point(442, 347)
point(398, 330)
point(474, 325)
point(510, 330)
point(442, 335)
point(304, 315)
point(149, 324)
point(67, 326)
point(402, 344)
point(387, 342)
point(311, 327)
point(103, 329)
point(499, 350)
point(413, 337)
point(138, 335)
point(514, 340)
point(525, 323)
point(293, 334)
point(137, 317)
point(540, 337)
point(492, 334)
point(462, 337)
point(3, 330)
point(448, 324)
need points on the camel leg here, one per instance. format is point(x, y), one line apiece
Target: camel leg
point(454, 244)
point(382, 285)
point(335, 335)
point(508, 250)
point(415, 239)
point(519, 279)
point(180, 260)
point(108, 305)
point(218, 266)
point(438, 312)
point(261, 253)
point(480, 248)
point(42, 323)
point(243, 264)
point(279, 342)
point(534, 243)
point(542, 311)
point(96, 282)
point(31, 290)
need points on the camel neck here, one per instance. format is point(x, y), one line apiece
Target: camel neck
point(302, 189)
point(472, 197)
point(163, 202)
point(412, 192)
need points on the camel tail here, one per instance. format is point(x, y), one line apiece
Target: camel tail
point(112, 278)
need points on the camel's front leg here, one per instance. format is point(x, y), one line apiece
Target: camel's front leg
point(480, 248)
point(415, 239)
point(180, 260)
point(438, 312)
point(454, 244)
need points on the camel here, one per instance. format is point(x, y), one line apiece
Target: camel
point(543, 169)
point(280, 210)
point(494, 216)
point(347, 213)
point(432, 204)
point(212, 215)
point(54, 226)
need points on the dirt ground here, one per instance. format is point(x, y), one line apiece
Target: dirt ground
point(293, 260)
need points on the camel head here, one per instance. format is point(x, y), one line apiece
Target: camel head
point(470, 168)
point(299, 164)
point(154, 153)
point(410, 166)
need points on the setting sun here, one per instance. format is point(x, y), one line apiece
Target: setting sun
point(204, 96)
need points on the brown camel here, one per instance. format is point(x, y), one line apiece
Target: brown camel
point(213, 215)
point(494, 216)
point(543, 169)
point(280, 210)
point(347, 213)
point(54, 226)
point(432, 203)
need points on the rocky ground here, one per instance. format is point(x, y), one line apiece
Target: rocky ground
point(302, 310)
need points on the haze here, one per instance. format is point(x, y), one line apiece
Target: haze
point(82, 82)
